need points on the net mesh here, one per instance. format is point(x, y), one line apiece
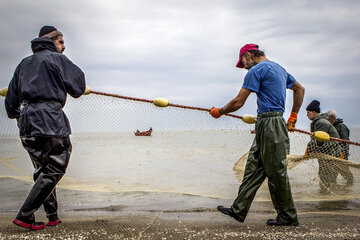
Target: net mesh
point(188, 152)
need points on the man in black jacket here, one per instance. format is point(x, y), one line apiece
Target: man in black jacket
point(36, 95)
point(344, 133)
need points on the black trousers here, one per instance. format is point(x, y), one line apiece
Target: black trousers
point(50, 157)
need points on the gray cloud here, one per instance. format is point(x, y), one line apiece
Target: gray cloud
point(187, 50)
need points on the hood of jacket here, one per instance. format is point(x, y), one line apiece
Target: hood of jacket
point(339, 120)
point(320, 116)
point(44, 43)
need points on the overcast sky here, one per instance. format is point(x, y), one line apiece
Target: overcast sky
point(186, 51)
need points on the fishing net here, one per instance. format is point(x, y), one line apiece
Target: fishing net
point(180, 150)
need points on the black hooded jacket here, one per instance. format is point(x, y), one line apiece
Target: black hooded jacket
point(38, 90)
point(342, 129)
point(344, 133)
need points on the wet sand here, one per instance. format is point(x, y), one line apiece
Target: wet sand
point(198, 224)
point(141, 215)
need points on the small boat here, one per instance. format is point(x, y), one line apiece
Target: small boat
point(146, 133)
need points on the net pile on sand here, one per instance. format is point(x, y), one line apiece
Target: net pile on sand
point(186, 152)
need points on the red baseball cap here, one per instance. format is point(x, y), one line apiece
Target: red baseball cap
point(243, 50)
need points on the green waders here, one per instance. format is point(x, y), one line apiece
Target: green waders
point(267, 159)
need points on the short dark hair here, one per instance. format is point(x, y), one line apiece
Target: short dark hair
point(257, 53)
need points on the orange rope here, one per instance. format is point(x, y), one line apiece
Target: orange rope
point(332, 138)
point(208, 110)
point(150, 101)
point(119, 96)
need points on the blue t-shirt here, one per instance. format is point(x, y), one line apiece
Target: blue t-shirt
point(269, 80)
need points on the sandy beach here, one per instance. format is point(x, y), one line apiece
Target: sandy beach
point(141, 215)
point(186, 224)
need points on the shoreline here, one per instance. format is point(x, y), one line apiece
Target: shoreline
point(208, 224)
point(141, 215)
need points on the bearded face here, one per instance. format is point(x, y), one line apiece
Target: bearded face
point(248, 61)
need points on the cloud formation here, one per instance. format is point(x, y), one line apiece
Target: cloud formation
point(186, 51)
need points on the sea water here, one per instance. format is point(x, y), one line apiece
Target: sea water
point(187, 153)
point(190, 162)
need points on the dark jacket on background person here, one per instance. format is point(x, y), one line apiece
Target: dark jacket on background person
point(38, 90)
point(344, 133)
point(321, 123)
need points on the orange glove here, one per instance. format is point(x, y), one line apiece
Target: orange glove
point(291, 121)
point(342, 156)
point(215, 112)
point(306, 152)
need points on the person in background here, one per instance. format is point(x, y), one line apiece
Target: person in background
point(328, 171)
point(267, 156)
point(344, 133)
point(36, 95)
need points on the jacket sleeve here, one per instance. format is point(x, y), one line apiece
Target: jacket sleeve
point(319, 126)
point(12, 99)
point(73, 77)
point(344, 132)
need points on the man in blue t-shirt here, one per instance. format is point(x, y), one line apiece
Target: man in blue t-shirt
point(267, 156)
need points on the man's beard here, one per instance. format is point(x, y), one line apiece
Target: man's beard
point(249, 63)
